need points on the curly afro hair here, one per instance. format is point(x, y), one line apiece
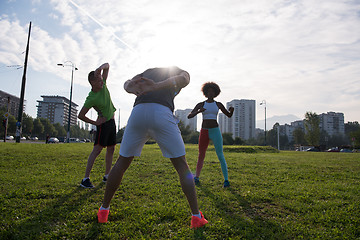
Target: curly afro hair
point(210, 85)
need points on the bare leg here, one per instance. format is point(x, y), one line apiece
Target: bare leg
point(93, 155)
point(115, 177)
point(108, 158)
point(187, 182)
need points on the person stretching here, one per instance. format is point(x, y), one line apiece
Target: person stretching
point(152, 116)
point(210, 128)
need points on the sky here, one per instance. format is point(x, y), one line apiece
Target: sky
point(297, 55)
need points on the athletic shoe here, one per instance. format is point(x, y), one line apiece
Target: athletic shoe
point(103, 216)
point(226, 184)
point(104, 179)
point(197, 181)
point(86, 183)
point(198, 222)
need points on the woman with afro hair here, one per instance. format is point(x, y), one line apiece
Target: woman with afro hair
point(210, 128)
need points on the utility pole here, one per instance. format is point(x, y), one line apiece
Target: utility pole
point(119, 121)
point(21, 107)
point(6, 120)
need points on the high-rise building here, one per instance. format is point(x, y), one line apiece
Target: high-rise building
point(242, 123)
point(332, 123)
point(56, 109)
point(222, 122)
point(182, 116)
point(13, 105)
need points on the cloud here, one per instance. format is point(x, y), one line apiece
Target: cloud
point(298, 55)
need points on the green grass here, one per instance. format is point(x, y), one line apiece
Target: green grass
point(286, 195)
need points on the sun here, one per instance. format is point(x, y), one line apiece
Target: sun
point(166, 49)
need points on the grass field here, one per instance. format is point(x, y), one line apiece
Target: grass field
point(286, 195)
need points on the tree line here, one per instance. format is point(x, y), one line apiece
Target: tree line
point(311, 136)
point(41, 128)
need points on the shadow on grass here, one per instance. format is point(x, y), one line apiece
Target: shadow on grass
point(49, 222)
point(241, 218)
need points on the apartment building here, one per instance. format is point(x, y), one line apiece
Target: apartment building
point(56, 109)
point(242, 123)
point(10, 102)
point(332, 123)
point(182, 116)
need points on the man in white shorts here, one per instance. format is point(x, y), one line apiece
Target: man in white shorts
point(152, 116)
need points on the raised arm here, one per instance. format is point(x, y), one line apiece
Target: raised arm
point(103, 71)
point(198, 109)
point(224, 110)
point(139, 85)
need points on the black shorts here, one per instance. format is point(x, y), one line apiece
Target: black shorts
point(106, 134)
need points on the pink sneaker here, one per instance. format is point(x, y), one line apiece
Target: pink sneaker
point(198, 222)
point(103, 216)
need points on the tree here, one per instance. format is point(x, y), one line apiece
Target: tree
point(227, 139)
point(299, 136)
point(312, 127)
point(271, 136)
point(238, 141)
point(27, 124)
point(350, 128)
point(355, 136)
point(11, 125)
point(49, 128)
point(61, 132)
point(38, 129)
point(120, 134)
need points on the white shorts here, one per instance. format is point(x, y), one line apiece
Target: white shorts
point(156, 121)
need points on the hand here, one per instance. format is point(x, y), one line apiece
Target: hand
point(231, 109)
point(140, 85)
point(202, 110)
point(100, 120)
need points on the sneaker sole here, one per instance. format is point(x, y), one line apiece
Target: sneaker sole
point(85, 186)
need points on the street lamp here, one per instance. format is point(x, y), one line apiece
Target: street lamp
point(263, 102)
point(72, 65)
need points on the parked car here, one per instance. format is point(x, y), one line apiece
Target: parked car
point(35, 138)
point(74, 140)
point(312, 149)
point(334, 149)
point(9, 137)
point(62, 139)
point(346, 150)
point(53, 140)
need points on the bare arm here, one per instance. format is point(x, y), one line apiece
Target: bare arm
point(198, 109)
point(82, 116)
point(104, 68)
point(224, 110)
point(139, 85)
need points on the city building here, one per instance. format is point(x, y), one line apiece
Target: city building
point(332, 123)
point(242, 123)
point(287, 130)
point(182, 116)
point(298, 124)
point(13, 105)
point(56, 109)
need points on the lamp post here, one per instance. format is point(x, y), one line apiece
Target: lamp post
point(263, 102)
point(72, 65)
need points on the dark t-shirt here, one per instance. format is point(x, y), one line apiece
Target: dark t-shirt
point(164, 96)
